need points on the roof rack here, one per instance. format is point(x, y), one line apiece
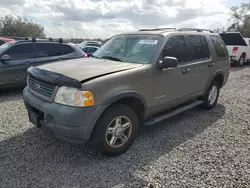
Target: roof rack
point(194, 29)
point(33, 39)
point(157, 29)
point(177, 29)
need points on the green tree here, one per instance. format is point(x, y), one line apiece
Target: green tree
point(240, 15)
point(19, 27)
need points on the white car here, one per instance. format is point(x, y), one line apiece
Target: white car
point(238, 49)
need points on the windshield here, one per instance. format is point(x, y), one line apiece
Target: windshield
point(5, 46)
point(130, 48)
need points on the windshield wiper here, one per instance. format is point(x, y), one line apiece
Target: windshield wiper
point(112, 58)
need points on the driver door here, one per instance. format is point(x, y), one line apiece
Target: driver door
point(172, 85)
point(13, 71)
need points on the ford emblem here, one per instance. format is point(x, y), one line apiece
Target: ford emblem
point(38, 86)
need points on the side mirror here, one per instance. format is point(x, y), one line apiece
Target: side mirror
point(5, 58)
point(168, 62)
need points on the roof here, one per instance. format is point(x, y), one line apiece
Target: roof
point(166, 31)
point(6, 39)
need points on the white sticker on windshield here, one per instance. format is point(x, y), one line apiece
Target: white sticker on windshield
point(148, 42)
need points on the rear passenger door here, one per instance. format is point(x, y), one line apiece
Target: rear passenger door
point(13, 71)
point(200, 61)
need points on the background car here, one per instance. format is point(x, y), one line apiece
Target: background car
point(90, 43)
point(237, 47)
point(16, 57)
point(3, 40)
point(89, 50)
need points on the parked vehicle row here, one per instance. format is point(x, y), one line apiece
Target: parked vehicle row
point(135, 79)
point(17, 56)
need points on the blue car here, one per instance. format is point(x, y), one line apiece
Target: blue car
point(89, 50)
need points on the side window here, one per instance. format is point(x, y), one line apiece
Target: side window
point(176, 47)
point(220, 47)
point(21, 51)
point(65, 49)
point(52, 49)
point(198, 48)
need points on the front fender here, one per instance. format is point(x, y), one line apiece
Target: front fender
point(124, 94)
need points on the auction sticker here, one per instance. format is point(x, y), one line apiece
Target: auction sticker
point(148, 42)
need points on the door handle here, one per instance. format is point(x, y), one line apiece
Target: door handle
point(185, 70)
point(210, 64)
point(27, 62)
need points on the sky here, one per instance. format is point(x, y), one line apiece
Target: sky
point(105, 18)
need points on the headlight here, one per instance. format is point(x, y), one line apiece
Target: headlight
point(74, 97)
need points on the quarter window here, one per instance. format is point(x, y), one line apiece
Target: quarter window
point(176, 47)
point(219, 45)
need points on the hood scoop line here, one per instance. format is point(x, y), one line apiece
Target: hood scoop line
point(94, 77)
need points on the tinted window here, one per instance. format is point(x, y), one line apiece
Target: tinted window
point(176, 47)
point(91, 50)
point(233, 39)
point(198, 48)
point(219, 46)
point(21, 51)
point(1, 42)
point(86, 49)
point(50, 49)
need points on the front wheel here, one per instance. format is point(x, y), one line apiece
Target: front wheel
point(211, 97)
point(115, 131)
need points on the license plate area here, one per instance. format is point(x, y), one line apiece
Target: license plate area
point(35, 116)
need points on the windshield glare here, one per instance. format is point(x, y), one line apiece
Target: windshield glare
point(130, 48)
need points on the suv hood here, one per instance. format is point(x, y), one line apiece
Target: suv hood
point(82, 69)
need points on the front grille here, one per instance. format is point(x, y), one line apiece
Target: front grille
point(41, 87)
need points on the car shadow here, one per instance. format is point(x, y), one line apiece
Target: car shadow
point(11, 94)
point(37, 159)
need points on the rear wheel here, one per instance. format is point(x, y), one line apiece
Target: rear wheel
point(115, 131)
point(211, 97)
point(241, 61)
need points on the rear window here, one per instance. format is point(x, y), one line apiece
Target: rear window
point(219, 46)
point(233, 39)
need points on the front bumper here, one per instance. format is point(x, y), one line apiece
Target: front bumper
point(71, 124)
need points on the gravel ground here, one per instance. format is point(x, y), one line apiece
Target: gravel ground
point(195, 149)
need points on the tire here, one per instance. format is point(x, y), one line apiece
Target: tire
point(241, 61)
point(112, 120)
point(211, 97)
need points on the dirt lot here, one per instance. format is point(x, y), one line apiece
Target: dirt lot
point(195, 149)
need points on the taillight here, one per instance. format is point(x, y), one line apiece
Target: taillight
point(85, 56)
point(229, 67)
point(235, 49)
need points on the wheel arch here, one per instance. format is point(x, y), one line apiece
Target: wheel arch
point(217, 76)
point(121, 98)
